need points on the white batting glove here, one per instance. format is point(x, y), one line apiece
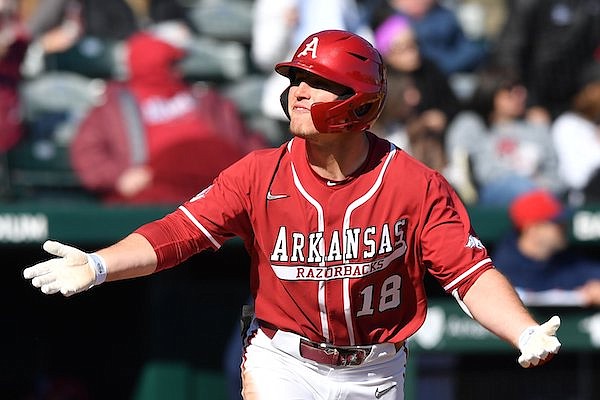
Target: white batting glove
point(72, 272)
point(538, 344)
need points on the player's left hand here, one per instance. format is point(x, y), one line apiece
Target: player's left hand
point(538, 344)
point(72, 272)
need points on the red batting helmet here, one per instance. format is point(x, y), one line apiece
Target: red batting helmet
point(349, 60)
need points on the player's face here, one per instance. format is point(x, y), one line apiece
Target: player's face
point(307, 89)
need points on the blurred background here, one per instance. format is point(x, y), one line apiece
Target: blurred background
point(113, 112)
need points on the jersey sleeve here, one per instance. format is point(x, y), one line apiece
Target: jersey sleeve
point(450, 248)
point(216, 214)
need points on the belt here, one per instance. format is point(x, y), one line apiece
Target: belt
point(324, 353)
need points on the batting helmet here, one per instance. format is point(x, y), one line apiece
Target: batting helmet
point(351, 61)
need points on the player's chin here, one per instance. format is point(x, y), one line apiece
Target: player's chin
point(301, 124)
point(301, 131)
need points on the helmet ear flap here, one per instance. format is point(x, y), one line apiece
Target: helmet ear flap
point(283, 99)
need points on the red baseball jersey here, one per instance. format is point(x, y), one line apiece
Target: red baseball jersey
point(337, 262)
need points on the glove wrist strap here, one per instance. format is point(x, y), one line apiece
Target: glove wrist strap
point(98, 265)
point(525, 335)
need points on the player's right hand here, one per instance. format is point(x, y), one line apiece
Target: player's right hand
point(72, 272)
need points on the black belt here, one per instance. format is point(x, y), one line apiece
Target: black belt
point(324, 353)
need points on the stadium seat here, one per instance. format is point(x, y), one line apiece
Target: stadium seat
point(211, 59)
point(223, 19)
point(53, 105)
point(91, 56)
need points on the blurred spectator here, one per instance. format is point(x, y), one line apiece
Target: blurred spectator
point(548, 43)
point(439, 34)
point(420, 102)
point(537, 258)
point(576, 136)
point(480, 19)
point(110, 19)
point(89, 27)
point(57, 24)
point(279, 26)
point(494, 152)
point(13, 46)
point(155, 139)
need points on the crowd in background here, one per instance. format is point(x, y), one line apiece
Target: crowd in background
point(501, 97)
point(145, 101)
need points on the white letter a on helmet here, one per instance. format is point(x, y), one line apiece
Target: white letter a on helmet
point(312, 47)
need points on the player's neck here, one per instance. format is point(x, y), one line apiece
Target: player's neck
point(337, 157)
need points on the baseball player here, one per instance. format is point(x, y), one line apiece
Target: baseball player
point(341, 227)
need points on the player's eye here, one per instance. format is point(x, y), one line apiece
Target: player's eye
point(297, 77)
point(316, 82)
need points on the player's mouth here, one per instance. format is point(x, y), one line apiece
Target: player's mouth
point(300, 107)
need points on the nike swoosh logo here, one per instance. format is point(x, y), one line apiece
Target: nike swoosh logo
point(380, 393)
point(276, 196)
point(331, 183)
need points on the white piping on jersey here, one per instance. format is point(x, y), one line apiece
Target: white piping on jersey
point(353, 206)
point(200, 226)
point(467, 273)
point(365, 197)
point(321, 228)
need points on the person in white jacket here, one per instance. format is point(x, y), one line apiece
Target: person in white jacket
point(576, 137)
point(279, 26)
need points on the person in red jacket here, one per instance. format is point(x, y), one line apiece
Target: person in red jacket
point(155, 138)
point(14, 41)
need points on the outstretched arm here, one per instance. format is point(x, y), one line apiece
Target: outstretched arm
point(493, 303)
point(73, 271)
point(129, 258)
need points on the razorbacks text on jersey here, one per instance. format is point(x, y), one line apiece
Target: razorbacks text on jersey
point(336, 262)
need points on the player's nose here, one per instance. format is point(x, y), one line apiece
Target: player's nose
point(302, 90)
